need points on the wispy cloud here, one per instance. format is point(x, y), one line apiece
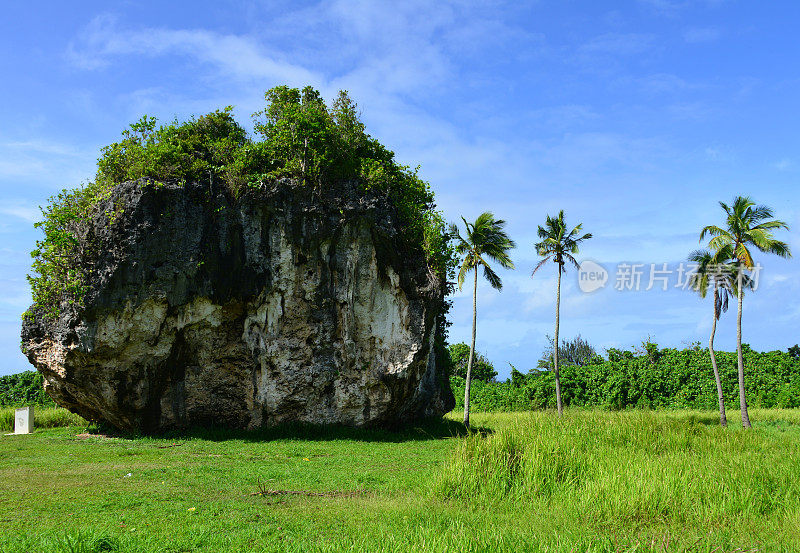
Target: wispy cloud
point(385, 55)
point(409, 43)
point(563, 116)
point(619, 44)
point(236, 56)
point(696, 35)
point(43, 161)
point(21, 210)
point(665, 6)
point(719, 153)
point(44, 147)
point(664, 83)
point(783, 164)
point(673, 7)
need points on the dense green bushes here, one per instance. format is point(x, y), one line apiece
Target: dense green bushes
point(299, 137)
point(650, 378)
point(497, 396)
point(23, 389)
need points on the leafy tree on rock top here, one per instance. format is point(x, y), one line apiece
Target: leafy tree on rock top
point(559, 245)
point(194, 151)
point(301, 138)
point(746, 224)
point(485, 240)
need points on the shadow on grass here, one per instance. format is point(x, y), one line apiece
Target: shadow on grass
point(429, 429)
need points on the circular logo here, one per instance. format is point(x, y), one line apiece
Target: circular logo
point(591, 276)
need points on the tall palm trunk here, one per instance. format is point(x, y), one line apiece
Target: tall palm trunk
point(471, 348)
point(723, 420)
point(555, 347)
point(740, 359)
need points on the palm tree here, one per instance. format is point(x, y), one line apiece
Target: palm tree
point(560, 246)
point(485, 241)
point(746, 224)
point(717, 271)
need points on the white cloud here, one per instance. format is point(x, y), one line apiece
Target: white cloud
point(43, 146)
point(668, 6)
point(392, 48)
point(236, 56)
point(563, 116)
point(16, 304)
point(689, 111)
point(20, 167)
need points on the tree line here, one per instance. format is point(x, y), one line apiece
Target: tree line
point(648, 377)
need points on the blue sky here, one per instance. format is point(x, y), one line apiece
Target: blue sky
point(635, 117)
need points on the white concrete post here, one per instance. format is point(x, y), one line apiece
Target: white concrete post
point(23, 420)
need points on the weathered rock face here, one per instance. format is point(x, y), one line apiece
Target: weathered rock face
point(280, 306)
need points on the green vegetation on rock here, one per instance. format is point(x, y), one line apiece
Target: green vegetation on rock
point(298, 137)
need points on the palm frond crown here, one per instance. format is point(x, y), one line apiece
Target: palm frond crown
point(558, 243)
point(485, 240)
point(746, 224)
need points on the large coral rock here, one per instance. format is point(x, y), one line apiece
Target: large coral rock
point(286, 305)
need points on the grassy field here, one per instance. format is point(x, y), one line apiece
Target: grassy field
point(596, 481)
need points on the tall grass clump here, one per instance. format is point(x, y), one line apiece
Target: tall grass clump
point(43, 417)
point(632, 468)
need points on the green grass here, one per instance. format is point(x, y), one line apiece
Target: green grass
point(596, 481)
